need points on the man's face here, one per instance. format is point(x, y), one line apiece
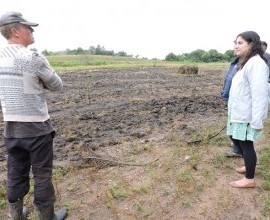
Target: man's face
point(24, 34)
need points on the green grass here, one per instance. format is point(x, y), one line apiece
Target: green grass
point(62, 63)
point(263, 168)
point(3, 201)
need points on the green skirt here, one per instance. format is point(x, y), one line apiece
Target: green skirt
point(242, 131)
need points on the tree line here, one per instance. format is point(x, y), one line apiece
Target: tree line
point(194, 56)
point(202, 56)
point(98, 50)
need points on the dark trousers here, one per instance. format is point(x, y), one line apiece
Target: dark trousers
point(24, 153)
point(249, 155)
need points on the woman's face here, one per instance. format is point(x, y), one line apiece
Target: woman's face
point(241, 47)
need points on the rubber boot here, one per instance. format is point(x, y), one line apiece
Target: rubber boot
point(47, 213)
point(17, 211)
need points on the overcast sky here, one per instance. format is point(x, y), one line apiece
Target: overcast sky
point(148, 28)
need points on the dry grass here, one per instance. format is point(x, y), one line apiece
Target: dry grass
point(183, 176)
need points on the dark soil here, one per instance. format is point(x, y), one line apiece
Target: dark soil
point(100, 110)
point(106, 107)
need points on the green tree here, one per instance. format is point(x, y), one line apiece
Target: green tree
point(79, 50)
point(92, 50)
point(45, 52)
point(122, 53)
point(215, 56)
point(228, 55)
point(196, 55)
point(171, 57)
point(206, 57)
point(98, 50)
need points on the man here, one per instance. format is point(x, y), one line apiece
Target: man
point(266, 55)
point(235, 151)
point(28, 131)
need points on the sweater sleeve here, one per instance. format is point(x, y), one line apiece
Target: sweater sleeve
point(46, 74)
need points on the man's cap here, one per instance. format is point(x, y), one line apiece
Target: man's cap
point(15, 17)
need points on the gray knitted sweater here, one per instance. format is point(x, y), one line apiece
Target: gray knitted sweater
point(24, 76)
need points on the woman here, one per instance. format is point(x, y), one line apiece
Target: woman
point(248, 102)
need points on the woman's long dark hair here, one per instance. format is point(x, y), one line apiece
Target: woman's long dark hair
point(256, 46)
